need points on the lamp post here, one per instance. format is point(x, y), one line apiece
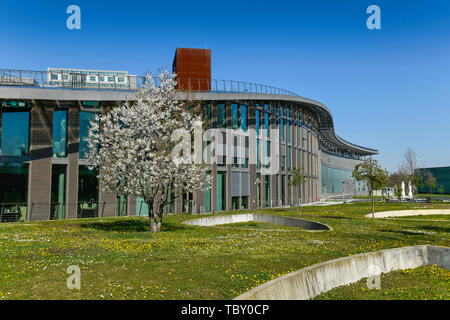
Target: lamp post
point(343, 185)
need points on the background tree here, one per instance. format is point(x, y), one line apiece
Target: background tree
point(297, 177)
point(409, 169)
point(429, 180)
point(373, 175)
point(136, 147)
point(441, 190)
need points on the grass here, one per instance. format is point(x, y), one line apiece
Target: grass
point(422, 283)
point(120, 259)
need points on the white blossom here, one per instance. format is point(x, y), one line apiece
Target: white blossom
point(131, 146)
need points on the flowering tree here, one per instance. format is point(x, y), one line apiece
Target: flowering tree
point(137, 150)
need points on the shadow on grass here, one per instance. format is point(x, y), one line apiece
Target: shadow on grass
point(435, 228)
point(406, 232)
point(326, 217)
point(134, 225)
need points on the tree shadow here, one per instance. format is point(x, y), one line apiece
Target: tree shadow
point(435, 228)
point(404, 232)
point(326, 217)
point(130, 226)
point(134, 225)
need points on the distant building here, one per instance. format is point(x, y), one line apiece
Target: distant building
point(82, 78)
point(442, 175)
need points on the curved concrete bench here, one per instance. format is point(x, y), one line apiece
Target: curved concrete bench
point(311, 281)
point(407, 213)
point(246, 217)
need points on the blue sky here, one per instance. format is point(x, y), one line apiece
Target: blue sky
point(388, 89)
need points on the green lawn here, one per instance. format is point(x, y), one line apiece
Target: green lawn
point(120, 259)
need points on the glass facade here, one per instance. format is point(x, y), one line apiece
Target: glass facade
point(221, 119)
point(59, 134)
point(207, 115)
point(257, 121)
point(13, 191)
point(13, 182)
point(267, 190)
point(85, 118)
point(58, 190)
point(332, 181)
point(234, 203)
point(87, 192)
point(15, 133)
point(221, 187)
point(243, 117)
point(208, 194)
point(244, 202)
point(141, 207)
point(234, 116)
point(121, 205)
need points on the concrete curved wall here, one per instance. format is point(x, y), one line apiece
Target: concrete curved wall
point(310, 282)
point(407, 213)
point(265, 218)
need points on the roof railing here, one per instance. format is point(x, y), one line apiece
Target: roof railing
point(93, 80)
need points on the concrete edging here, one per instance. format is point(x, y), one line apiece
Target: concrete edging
point(302, 224)
point(311, 281)
point(408, 213)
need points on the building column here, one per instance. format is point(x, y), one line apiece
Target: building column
point(73, 142)
point(40, 172)
point(251, 124)
point(214, 188)
point(131, 206)
point(107, 204)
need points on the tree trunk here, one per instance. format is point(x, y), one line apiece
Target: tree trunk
point(373, 205)
point(155, 218)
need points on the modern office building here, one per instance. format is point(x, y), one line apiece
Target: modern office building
point(44, 119)
point(442, 176)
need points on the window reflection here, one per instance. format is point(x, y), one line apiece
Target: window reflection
point(15, 133)
point(59, 134)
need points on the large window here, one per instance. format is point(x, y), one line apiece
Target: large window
point(85, 118)
point(258, 121)
point(288, 122)
point(208, 194)
point(87, 192)
point(15, 133)
point(13, 182)
point(207, 115)
point(58, 191)
point(267, 190)
point(266, 122)
point(234, 116)
point(59, 134)
point(221, 115)
point(221, 187)
point(13, 191)
point(243, 118)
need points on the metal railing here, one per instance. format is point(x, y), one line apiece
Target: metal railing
point(216, 85)
point(13, 212)
point(83, 80)
point(92, 80)
point(16, 212)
